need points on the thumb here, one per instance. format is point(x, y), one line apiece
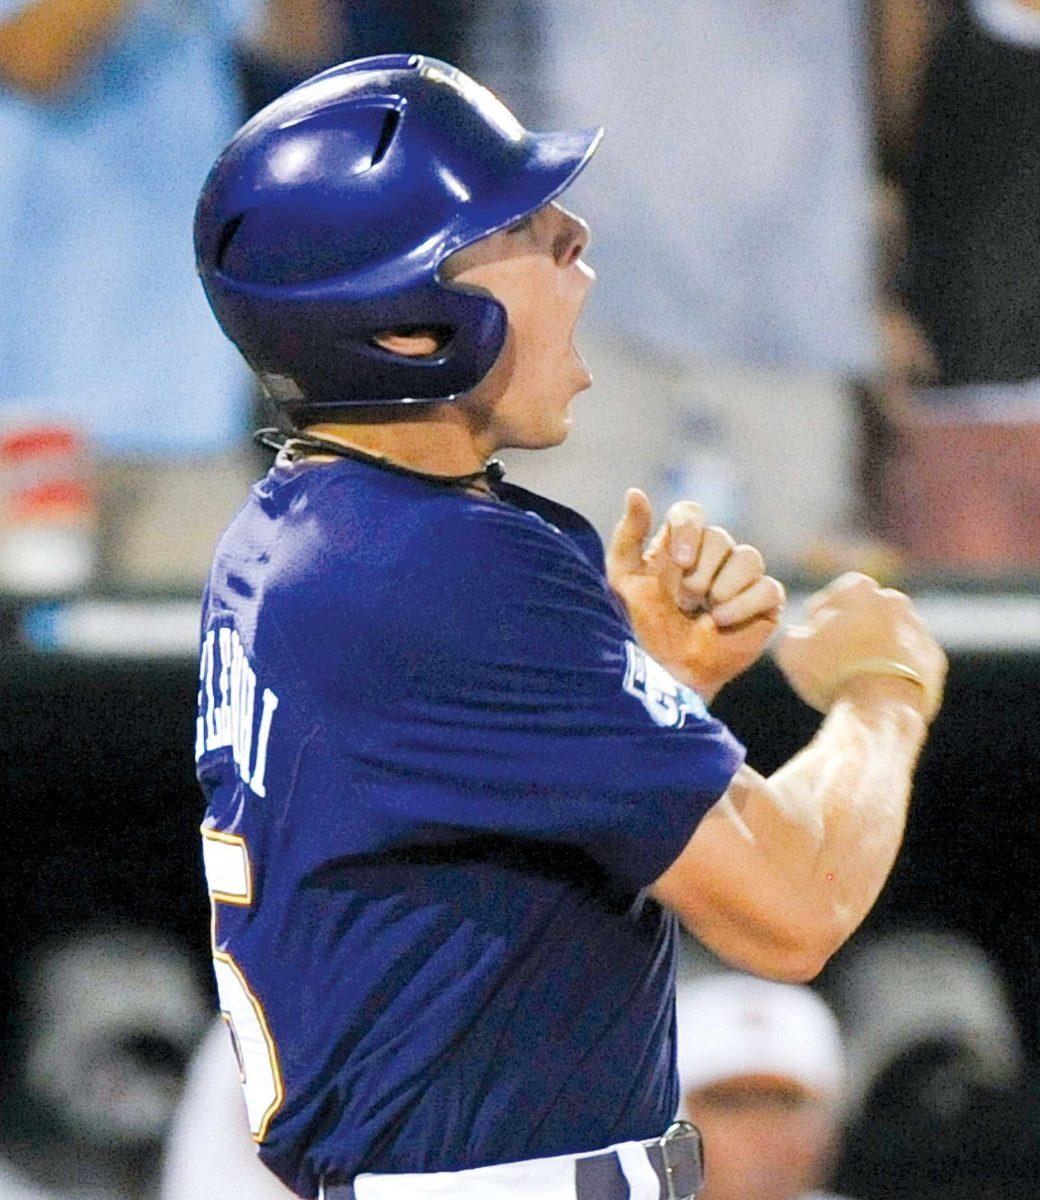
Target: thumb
point(630, 533)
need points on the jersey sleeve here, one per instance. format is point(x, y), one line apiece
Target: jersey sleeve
point(520, 704)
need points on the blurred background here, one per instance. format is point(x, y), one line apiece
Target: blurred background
point(816, 225)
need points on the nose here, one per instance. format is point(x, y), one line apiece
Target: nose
point(572, 238)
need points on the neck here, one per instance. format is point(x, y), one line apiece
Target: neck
point(432, 440)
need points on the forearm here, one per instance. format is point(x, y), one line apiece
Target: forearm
point(780, 871)
point(832, 819)
point(44, 46)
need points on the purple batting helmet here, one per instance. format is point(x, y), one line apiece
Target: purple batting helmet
point(329, 215)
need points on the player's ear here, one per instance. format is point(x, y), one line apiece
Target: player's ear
point(412, 343)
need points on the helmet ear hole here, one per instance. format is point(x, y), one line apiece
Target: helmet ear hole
point(416, 342)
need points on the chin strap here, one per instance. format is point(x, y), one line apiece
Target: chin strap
point(308, 443)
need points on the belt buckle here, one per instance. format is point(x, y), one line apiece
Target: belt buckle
point(678, 1131)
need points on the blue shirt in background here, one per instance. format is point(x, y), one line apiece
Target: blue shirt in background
point(440, 774)
point(102, 318)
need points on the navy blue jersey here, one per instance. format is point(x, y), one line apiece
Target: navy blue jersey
point(440, 774)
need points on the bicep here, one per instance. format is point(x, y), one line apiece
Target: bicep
point(732, 894)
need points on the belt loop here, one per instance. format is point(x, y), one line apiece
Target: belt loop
point(677, 1129)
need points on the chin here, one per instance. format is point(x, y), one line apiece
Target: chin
point(543, 438)
point(543, 425)
point(556, 430)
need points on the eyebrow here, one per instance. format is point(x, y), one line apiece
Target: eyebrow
point(521, 225)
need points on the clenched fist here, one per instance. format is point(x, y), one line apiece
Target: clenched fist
point(855, 628)
point(699, 603)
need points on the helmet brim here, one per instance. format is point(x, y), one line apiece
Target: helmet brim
point(554, 162)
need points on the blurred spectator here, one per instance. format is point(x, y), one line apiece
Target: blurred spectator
point(761, 1073)
point(489, 39)
point(935, 1127)
point(905, 989)
point(731, 215)
point(107, 1020)
point(938, 1106)
point(111, 112)
point(505, 49)
point(973, 177)
point(964, 143)
point(209, 1154)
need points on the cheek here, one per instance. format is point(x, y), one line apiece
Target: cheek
point(537, 312)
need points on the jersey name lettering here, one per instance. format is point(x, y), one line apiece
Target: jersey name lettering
point(227, 709)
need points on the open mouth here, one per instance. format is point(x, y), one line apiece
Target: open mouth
point(572, 345)
point(582, 364)
point(574, 323)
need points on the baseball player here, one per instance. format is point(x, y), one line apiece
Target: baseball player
point(461, 777)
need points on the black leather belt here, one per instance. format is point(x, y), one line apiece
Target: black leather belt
point(677, 1159)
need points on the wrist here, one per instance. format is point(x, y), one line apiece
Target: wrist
point(706, 691)
point(926, 701)
point(874, 695)
point(706, 688)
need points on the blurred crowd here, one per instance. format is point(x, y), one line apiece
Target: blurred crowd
point(902, 1078)
point(815, 227)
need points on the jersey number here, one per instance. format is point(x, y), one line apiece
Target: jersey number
point(230, 881)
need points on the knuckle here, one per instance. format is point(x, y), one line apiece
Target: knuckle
point(776, 589)
point(719, 537)
point(751, 555)
point(894, 596)
point(825, 617)
point(853, 585)
point(857, 597)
